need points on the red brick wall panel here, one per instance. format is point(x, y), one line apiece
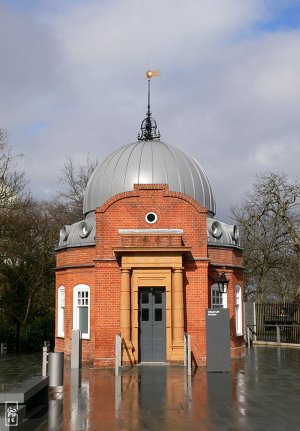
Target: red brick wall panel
point(97, 267)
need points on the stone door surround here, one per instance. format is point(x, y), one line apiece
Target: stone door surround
point(152, 269)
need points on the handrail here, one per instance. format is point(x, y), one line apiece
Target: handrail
point(253, 330)
point(277, 324)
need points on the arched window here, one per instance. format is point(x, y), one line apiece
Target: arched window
point(81, 309)
point(238, 310)
point(218, 300)
point(61, 312)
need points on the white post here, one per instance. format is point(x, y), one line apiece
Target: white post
point(189, 355)
point(76, 349)
point(278, 334)
point(3, 349)
point(254, 337)
point(118, 361)
point(45, 361)
point(184, 349)
point(248, 337)
point(116, 356)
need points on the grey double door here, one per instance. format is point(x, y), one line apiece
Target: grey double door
point(152, 324)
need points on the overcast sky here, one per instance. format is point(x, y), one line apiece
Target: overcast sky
point(72, 83)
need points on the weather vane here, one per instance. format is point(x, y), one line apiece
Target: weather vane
point(152, 73)
point(149, 130)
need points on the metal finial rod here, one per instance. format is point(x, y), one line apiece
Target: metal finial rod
point(149, 112)
point(149, 130)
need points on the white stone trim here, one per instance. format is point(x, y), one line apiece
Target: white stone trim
point(151, 231)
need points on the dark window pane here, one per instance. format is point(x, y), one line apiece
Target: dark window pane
point(158, 297)
point(83, 319)
point(151, 217)
point(145, 297)
point(145, 314)
point(158, 315)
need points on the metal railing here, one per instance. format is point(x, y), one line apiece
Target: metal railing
point(273, 333)
point(187, 354)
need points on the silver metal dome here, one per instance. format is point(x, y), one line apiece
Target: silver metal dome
point(148, 162)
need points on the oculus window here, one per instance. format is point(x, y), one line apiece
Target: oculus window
point(151, 217)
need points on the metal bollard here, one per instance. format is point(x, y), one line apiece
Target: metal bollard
point(254, 338)
point(76, 349)
point(189, 356)
point(248, 337)
point(278, 334)
point(118, 359)
point(45, 361)
point(56, 368)
point(3, 349)
point(185, 349)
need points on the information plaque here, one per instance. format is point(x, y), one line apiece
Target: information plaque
point(217, 340)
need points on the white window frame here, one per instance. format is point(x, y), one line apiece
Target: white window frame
point(61, 295)
point(238, 311)
point(214, 293)
point(81, 288)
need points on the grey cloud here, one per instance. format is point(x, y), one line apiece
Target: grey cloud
point(227, 95)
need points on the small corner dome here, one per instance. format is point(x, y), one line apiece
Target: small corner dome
point(148, 162)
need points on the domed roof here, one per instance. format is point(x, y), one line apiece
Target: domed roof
point(148, 162)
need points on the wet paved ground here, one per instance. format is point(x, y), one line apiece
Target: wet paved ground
point(262, 392)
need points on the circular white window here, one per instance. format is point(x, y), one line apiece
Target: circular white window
point(151, 218)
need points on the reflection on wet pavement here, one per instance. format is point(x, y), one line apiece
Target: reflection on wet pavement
point(261, 392)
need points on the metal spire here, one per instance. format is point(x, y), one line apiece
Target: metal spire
point(149, 130)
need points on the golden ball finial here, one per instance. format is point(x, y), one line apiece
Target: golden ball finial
point(149, 74)
point(152, 73)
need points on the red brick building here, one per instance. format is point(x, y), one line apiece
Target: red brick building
point(145, 259)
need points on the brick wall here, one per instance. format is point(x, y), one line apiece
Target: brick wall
point(97, 267)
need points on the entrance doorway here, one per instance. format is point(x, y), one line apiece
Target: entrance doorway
point(152, 324)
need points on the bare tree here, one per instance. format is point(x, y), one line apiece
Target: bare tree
point(283, 280)
point(74, 179)
point(12, 183)
point(27, 264)
point(269, 220)
point(28, 232)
